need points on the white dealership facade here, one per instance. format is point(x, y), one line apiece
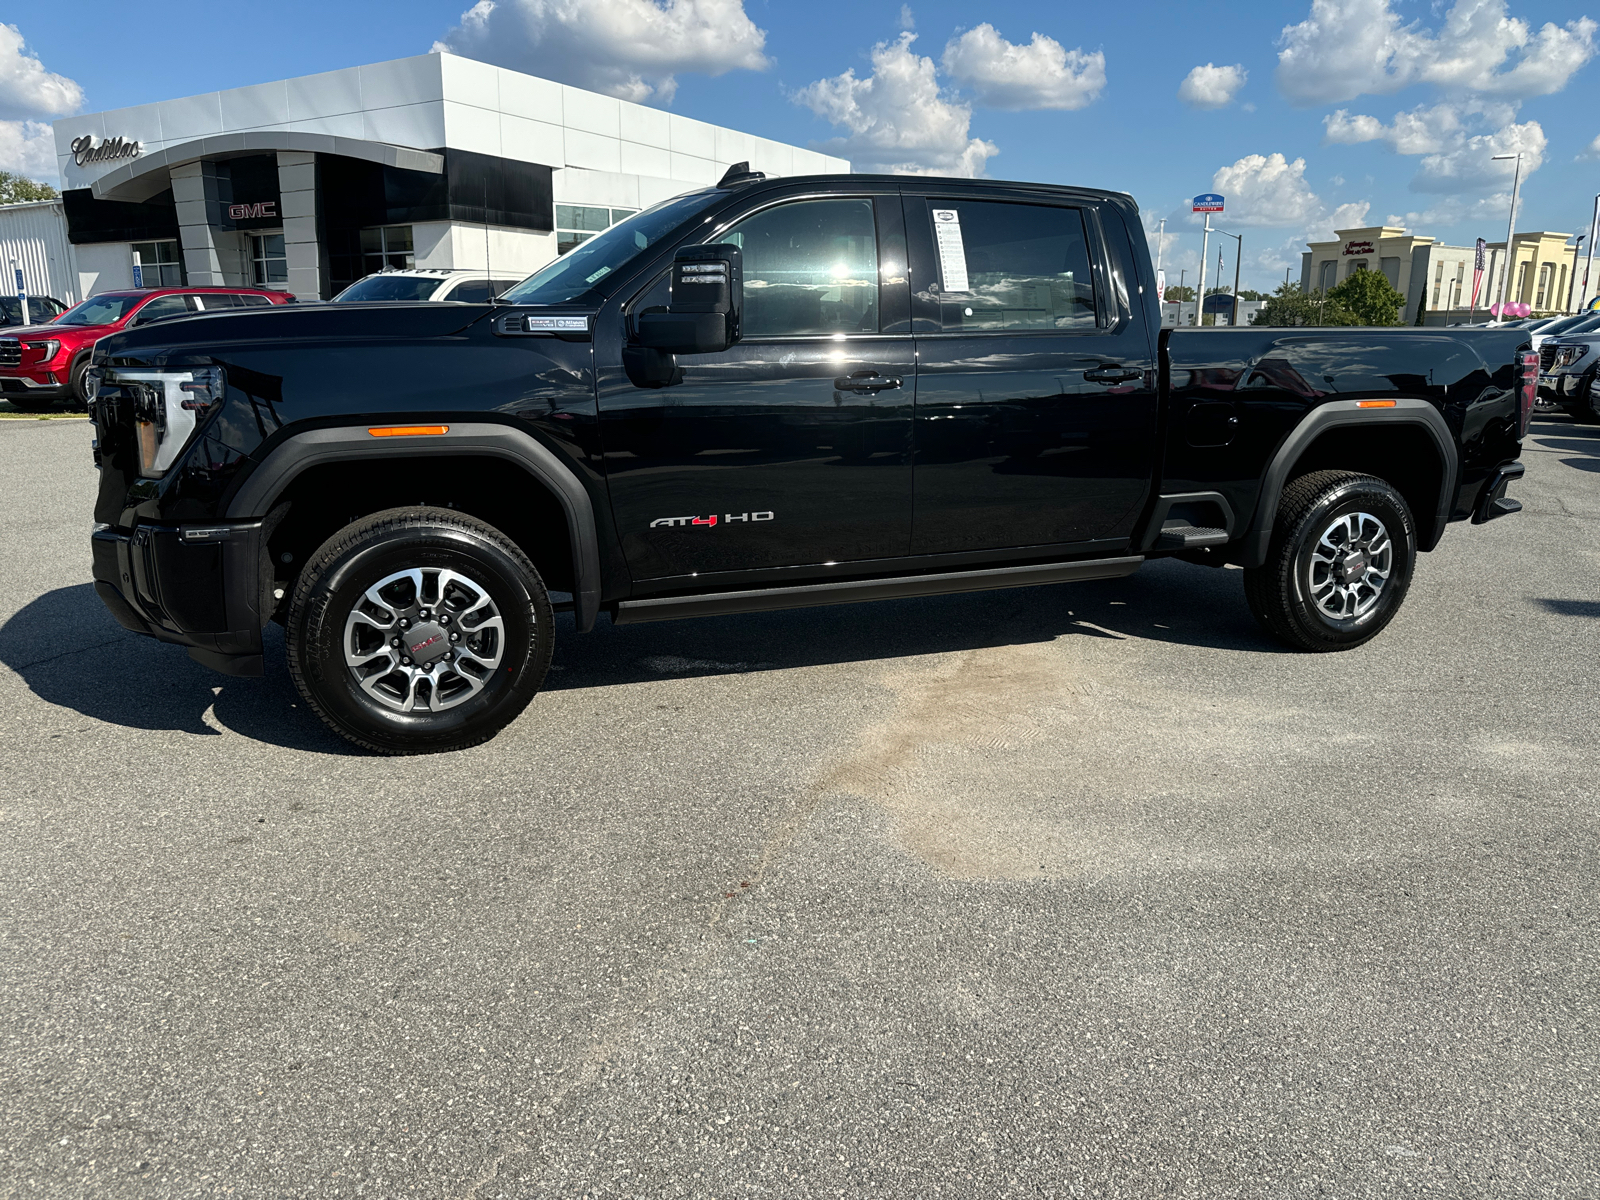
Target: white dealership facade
point(310, 183)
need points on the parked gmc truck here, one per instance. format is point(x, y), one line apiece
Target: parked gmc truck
point(765, 394)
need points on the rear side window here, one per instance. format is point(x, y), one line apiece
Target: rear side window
point(246, 301)
point(810, 267)
point(1006, 266)
point(471, 291)
point(212, 301)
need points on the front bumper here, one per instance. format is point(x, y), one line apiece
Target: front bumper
point(192, 585)
point(33, 388)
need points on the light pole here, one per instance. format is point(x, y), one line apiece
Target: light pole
point(1238, 254)
point(1588, 267)
point(1511, 226)
point(1200, 288)
point(1572, 284)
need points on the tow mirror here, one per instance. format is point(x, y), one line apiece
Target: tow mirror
point(707, 302)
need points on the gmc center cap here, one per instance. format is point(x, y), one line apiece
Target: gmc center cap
point(427, 643)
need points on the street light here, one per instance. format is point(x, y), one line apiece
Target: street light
point(1572, 284)
point(1588, 268)
point(1238, 254)
point(1511, 225)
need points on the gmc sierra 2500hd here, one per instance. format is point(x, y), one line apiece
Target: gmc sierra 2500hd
point(765, 394)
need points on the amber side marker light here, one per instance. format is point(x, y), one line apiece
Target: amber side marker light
point(1359, 404)
point(408, 430)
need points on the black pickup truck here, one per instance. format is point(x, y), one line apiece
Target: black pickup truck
point(765, 394)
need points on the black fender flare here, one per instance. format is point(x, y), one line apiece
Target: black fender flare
point(1337, 414)
point(301, 451)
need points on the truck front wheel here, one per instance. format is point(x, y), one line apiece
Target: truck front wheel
point(419, 629)
point(1339, 563)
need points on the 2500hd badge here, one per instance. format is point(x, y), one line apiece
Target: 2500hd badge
point(945, 384)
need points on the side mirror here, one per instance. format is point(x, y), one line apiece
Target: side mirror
point(707, 302)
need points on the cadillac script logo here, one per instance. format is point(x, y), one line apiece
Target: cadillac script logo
point(84, 151)
point(711, 521)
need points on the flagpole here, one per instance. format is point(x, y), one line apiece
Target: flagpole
point(1511, 227)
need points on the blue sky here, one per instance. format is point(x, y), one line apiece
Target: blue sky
point(1305, 114)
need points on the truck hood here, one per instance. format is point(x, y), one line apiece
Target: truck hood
point(290, 322)
point(43, 331)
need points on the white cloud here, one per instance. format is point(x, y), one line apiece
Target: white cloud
point(908, 19)
point(1038, 74)
point(1212, 86)
point(1267, 189)
point(28, 148)
point(1454, 210)
point(628, 48)
point(1469, 166)
point(1347, 48)
point(1592, 150)
point(897, 119)
point(27, 89)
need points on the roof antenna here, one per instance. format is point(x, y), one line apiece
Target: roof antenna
point(488, 268)
point(739, 175)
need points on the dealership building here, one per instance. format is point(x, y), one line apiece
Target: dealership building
point(1437, 279)
point(309, 184)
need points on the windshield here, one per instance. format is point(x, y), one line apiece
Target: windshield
point(390, 287)
point(579, 270)
point(99, 310)
point(1581, 323)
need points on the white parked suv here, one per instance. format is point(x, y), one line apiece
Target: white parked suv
point(428, 283)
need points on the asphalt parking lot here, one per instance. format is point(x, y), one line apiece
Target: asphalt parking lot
point(1076, 891)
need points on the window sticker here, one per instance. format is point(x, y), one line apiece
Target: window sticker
point(952, 254)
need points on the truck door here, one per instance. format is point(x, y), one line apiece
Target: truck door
point(1035, 418)
point(793, 447)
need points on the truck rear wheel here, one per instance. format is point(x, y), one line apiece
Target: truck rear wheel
point(1339, 563)
point(417, 630)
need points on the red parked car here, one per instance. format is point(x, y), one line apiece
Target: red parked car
point(42, 366)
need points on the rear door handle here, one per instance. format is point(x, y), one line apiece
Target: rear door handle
point(1112, 373)
point(867, 381)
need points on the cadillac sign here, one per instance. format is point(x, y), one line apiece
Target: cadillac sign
point(84, 151)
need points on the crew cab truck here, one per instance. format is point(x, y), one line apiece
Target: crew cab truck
point(765, 394)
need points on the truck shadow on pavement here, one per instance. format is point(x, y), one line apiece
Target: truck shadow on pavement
point(70, 653)
point(1166, 602)
point(1570, 437)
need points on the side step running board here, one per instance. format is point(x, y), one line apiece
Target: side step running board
point(714, 604)
point(1190, 537)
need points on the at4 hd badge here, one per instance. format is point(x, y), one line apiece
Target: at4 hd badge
point(712, 521)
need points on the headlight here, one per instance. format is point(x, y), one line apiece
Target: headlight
point(47, 349)
point(167, 406)
point(1567, 355)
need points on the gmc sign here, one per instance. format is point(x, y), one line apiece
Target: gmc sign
point(252, 212)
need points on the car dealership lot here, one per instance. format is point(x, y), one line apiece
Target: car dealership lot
point(1077, 890)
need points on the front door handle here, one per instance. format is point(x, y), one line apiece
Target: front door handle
point(1112, 373)
point(867, 381)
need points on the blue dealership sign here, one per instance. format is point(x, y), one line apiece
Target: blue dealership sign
point(1210, 202)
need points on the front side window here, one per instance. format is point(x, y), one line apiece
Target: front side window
point(160, 263)
point(1009, 266)
point(162, 306)
point(810, 268)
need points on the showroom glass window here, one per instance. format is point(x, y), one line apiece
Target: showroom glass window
point(577, 223)
point(269, 262)
point(159, 263)
point(810, 268)
point(356, 253)
point(1027, 267)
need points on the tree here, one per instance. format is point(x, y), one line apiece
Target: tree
point(1251, 294)
point(1370, 295)
point(18, 189)
point(1179, 295)
point(1289, 306)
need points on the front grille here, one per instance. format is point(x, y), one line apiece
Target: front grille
point(10, 352)
point(1547, 356)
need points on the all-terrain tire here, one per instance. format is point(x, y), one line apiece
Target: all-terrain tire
point(1320, 588)
point(77, 399)
point(417, 630)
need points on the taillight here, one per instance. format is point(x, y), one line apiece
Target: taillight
point(1529, 364)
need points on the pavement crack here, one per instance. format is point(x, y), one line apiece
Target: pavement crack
point(39, 662)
